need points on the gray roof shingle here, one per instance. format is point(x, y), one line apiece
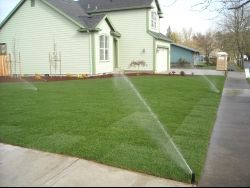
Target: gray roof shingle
point(92, 21)
point(159, 36)
point(70, 8)
point(92, 6)
point(81, 11)
point(185, 47)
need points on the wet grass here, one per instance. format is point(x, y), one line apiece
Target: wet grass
point(103, 120)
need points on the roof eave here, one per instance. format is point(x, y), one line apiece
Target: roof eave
point(186, 48)
point(158, 38)
point(119, 9)
point(115, 34)
point(63, 14)
point(159, 7)
point(11, 13)
point(88, 30)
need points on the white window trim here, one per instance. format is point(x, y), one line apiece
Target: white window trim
point(104, 49)
point(154, 21)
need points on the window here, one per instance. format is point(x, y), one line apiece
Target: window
point(32, 3)
point(153, 20)
point(104, 48)
point(3, 49)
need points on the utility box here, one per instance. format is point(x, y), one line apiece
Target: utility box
point(221, 61)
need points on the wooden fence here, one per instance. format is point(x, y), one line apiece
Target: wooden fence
point(5, 69)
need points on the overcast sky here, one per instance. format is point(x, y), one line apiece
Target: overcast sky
point(178, 15)
point(184, 14)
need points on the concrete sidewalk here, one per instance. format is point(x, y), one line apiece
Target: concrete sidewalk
point(228, 161)
point(25, 167)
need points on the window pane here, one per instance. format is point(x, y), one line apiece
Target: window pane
point(106, 42)
point(106, 54)
point(154, 20)
point(102, 41)
point(3, 49)
point(102, 54)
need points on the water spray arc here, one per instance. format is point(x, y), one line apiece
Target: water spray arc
point(160, 126)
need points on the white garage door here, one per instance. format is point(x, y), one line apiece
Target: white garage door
point(161, 60)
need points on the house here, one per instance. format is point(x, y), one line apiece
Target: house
point(59, 37)
point(184, 54)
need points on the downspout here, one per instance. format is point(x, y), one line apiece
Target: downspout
point(93, 50)
point(90, 53)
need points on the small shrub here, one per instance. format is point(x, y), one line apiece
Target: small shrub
point(82, 76)
point(183, 63)
point(38, 77)
point(138, 64)
point(182, 73)
point(69, 75)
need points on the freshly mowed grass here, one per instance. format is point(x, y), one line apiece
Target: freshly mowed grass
point(103, 120)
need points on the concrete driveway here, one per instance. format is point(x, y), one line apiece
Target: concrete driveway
point(24, 167)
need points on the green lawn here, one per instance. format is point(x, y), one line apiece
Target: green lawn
point(103, 120)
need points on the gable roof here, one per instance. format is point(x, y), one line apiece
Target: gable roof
point(185, 47)
point(96, 6)
point(73, 9)
point(159, 36)
point(80, 12)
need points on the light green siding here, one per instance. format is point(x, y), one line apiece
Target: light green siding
point(103, 66)
point(135, 43)
point(35, 29)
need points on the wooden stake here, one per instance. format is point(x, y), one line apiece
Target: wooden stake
point(10, 65)
point(20, 68)
point(50, 63)
point(60, 63)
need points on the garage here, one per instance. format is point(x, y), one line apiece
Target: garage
point(161, 60)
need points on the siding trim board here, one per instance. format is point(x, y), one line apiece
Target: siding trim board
point(154, 55)
point(93, 54)
point(119, 9)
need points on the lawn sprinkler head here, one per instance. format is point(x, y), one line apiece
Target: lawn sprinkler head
point(193, 178)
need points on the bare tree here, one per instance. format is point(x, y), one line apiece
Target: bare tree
point(236, 24)
point(222, 4)
point(205, 42)
point(173, 35)
point(187, 35)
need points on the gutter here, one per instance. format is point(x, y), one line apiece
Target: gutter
point(87, 30)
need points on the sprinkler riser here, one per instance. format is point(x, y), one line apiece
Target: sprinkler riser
point(193, 178)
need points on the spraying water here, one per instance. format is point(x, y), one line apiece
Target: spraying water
point(28, 85)
point(211, 84)
point(156, 129)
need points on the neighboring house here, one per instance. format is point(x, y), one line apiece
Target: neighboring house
point(85, 37)
point(180, 52)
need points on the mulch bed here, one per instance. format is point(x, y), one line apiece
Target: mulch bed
point(6, 79)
